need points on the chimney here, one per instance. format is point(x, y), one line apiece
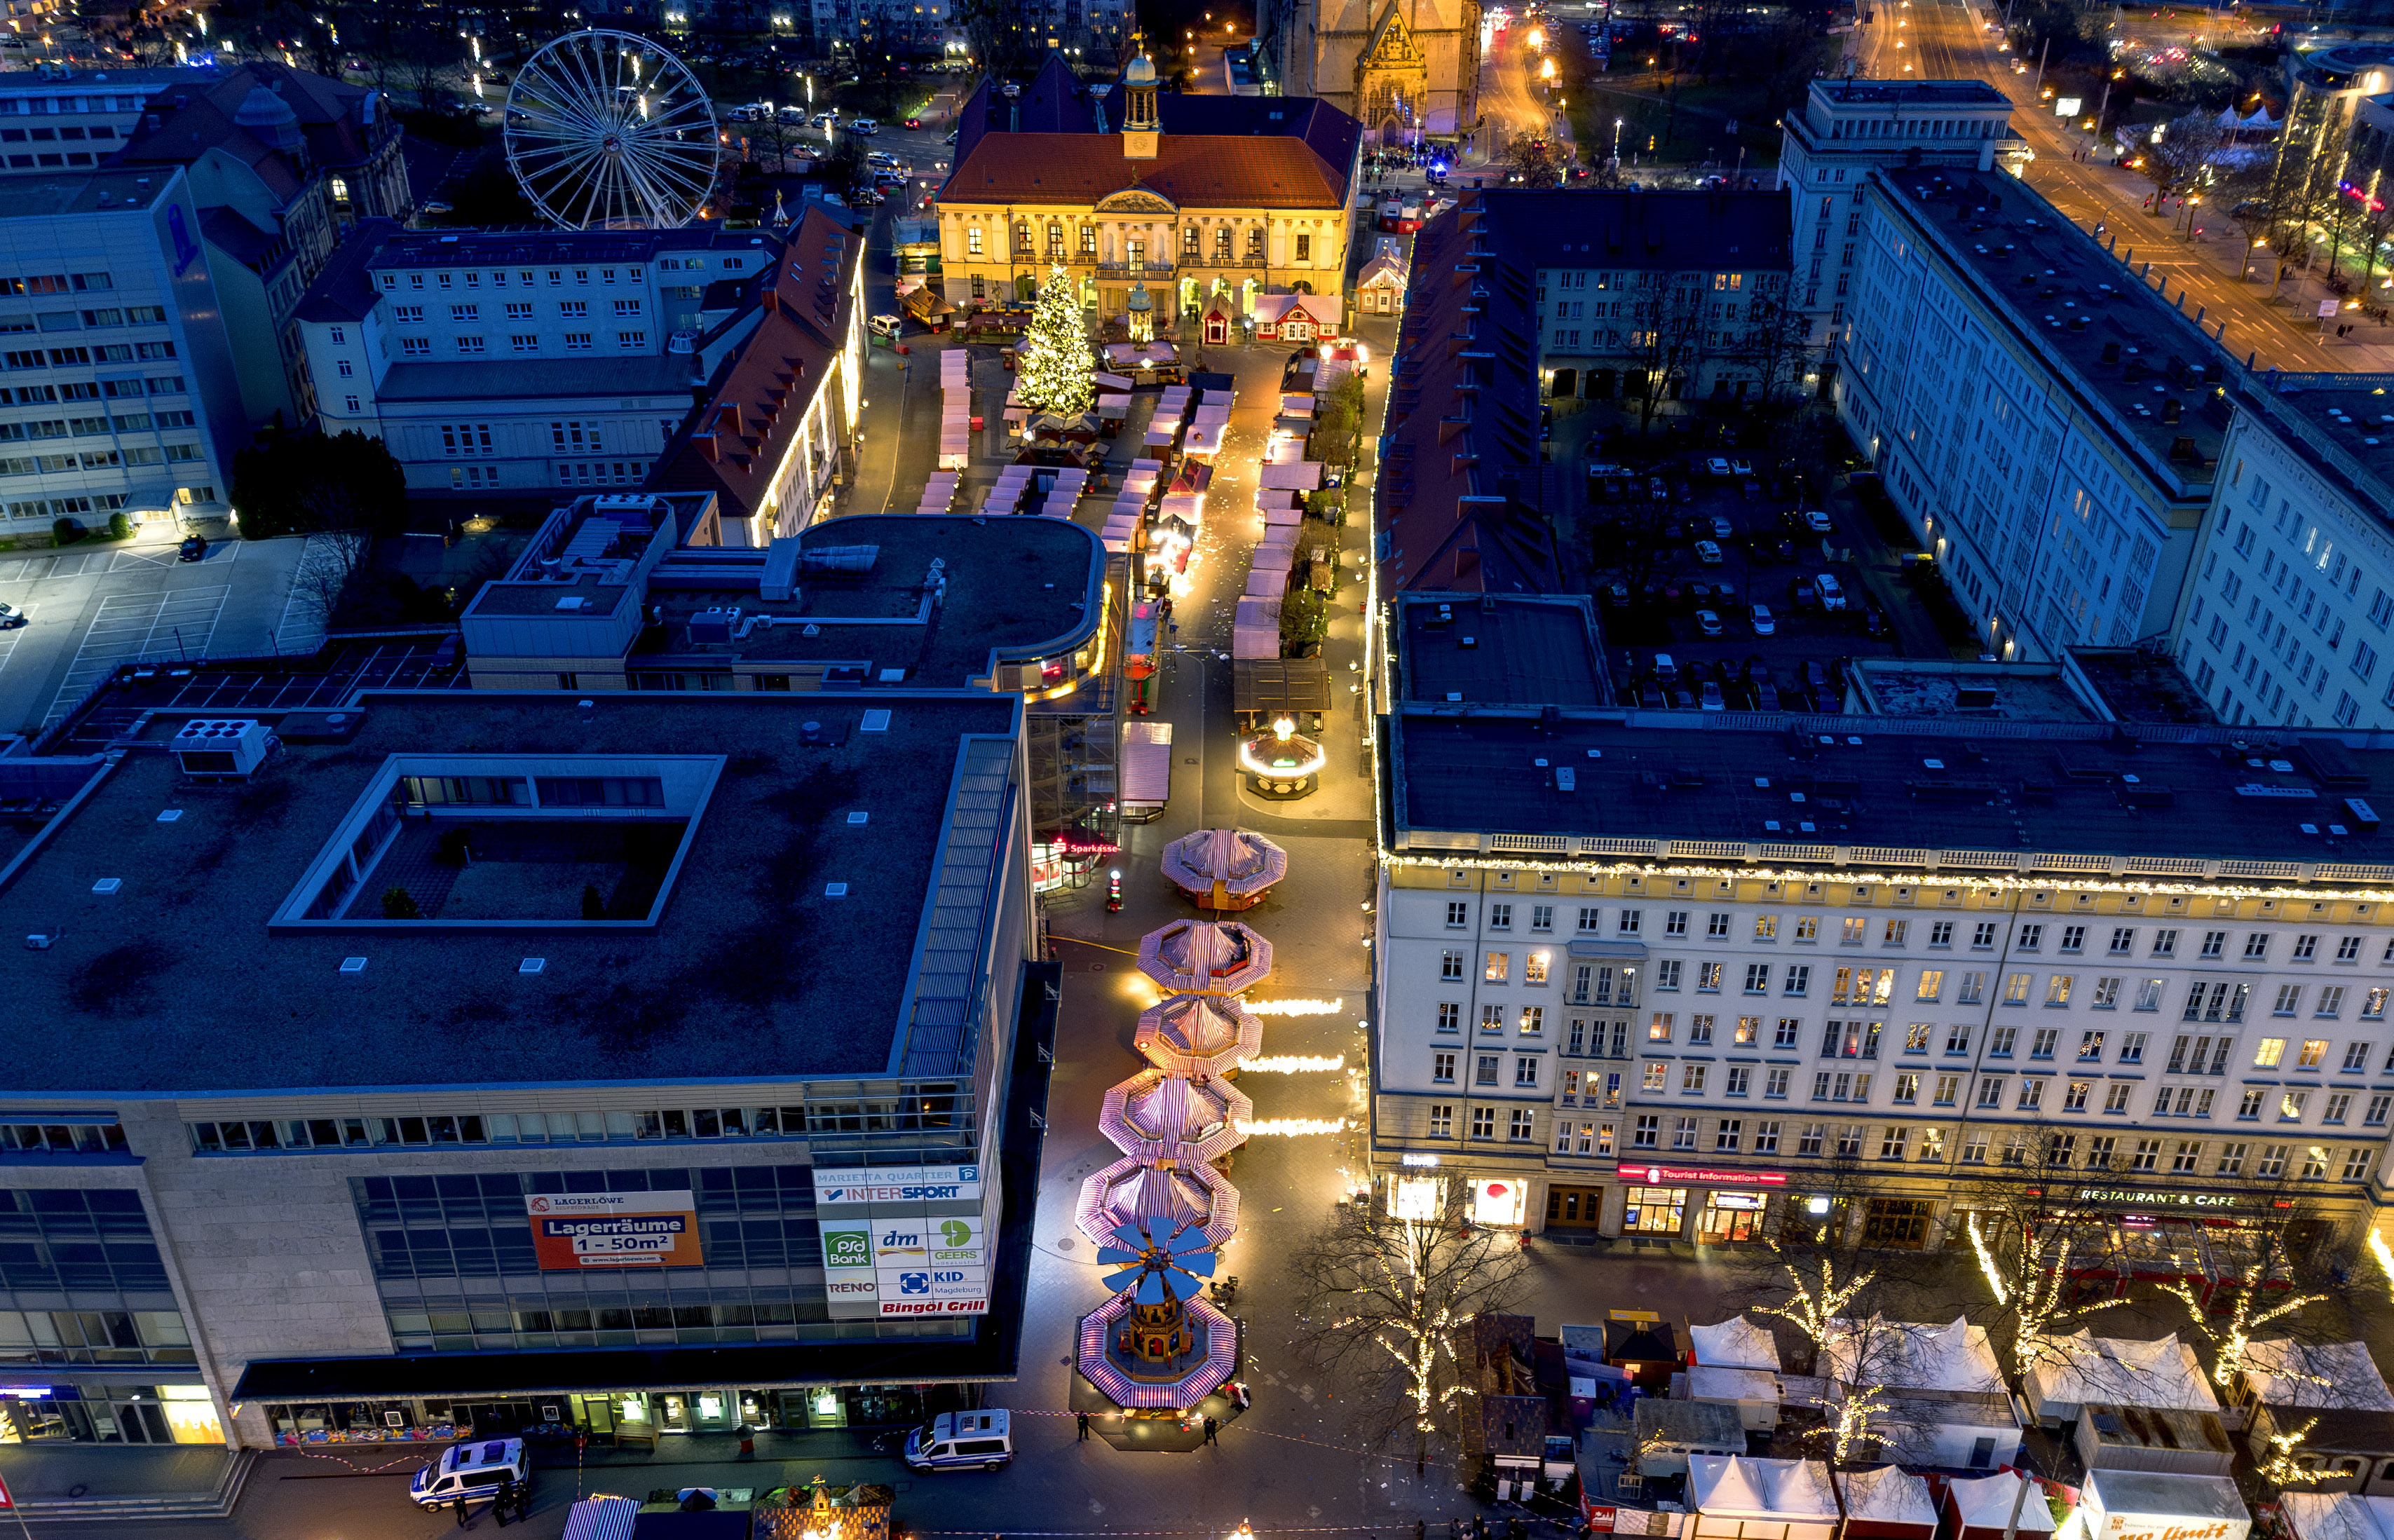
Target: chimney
point(708, 447)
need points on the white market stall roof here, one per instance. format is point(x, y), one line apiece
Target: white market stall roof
point(1886, 1494)
point(2144, 1504)
point(1736, 1486)
point(2084, 1369)
point(1736, 1343)
point(2337, 1516)
point(1909, 1355)
point(1986, 1502)
point(1291, 476)
point(2317, 1376)
point(1146, 762)
point(1706, 1383)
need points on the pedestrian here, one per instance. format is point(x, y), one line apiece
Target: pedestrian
point(1421, 1531)
point(523, 1503)
point(504, 1500)
point(1211, 1427)
point(1085, 1428)
point(458, 1508)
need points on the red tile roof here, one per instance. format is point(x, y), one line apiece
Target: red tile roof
point(1194, 170)
point(733, 444)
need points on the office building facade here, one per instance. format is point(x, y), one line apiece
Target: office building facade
point(1641, 979)
point(120, 384)
point(669, 1159)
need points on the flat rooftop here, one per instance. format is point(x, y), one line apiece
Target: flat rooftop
point(51, 193)
point(1909, 93)
point(2074, 301)
point(1802, 786)
point(1895, 686)
point(1018, 586)
point(184, 978)
point(664, 377)
point(1501, 651)
point(2345, 422)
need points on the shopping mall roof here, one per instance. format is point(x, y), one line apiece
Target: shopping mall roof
point(780, 876)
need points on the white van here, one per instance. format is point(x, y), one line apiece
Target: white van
point(962, 1440)
point(471, 1472)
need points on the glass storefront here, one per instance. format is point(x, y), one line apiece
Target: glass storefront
point(1574, 1208)
point(1497, 1203)
point(1655, 1211)
point(1731, 1215)
point(1901, 1223)
point(636, 1414)
point(110, 1413)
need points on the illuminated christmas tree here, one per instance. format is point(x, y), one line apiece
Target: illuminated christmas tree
point(1054, 363)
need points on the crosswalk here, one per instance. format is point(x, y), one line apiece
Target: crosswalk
point(176, 623)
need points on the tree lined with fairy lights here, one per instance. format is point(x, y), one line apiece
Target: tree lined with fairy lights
point(1380, 1298)
point(1054, 366)
point(1856, 1348)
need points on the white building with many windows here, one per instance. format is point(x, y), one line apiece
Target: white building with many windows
point(1643, 974)
point(2287, 617)
point(117, 386)
point(1849, 127)
point(510, 362)
point(2047, 425)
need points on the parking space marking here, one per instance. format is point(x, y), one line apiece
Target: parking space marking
point(136, 626)
point(8, 638)
point(32, 569)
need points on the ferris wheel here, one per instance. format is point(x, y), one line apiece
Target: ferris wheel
point(606, 130)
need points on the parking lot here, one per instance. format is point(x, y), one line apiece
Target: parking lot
point(1731, 583)
point(93, 606)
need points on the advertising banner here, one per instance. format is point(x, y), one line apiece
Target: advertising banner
point(615, 1230)
point(884, 1255)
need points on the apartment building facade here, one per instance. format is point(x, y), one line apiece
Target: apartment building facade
point(1845, 129)
point(118, 385)
point(491, 361)
point(2047, 425)
point(2290, 605)
point(1652, 982)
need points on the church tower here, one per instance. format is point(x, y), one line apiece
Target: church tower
point(1141, 127)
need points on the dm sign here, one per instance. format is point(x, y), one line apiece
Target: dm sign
point(615, 1230)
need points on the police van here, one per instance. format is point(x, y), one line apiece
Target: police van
point(962, 1440)
point(471, 1472)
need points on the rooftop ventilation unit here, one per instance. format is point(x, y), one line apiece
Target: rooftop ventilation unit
point(220, 746)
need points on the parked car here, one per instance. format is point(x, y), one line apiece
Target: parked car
point(867, 126)
point(471, 1472)
point(1832, 597)
point(1763, 625)
point(1656, 490)
point(1710, 698)
point(1717, 466)
point(967, 1441)
point(1801, 594)
point(1741, 467)
point(1708, 622)
point(1766, 696)
point(1708, 553)
point(194, 548)
point(1722, 527)
point(1664, 669)
point(1816, 678)
point(1816, 521)
point(11, 617)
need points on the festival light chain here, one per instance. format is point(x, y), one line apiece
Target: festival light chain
point(1293, 1063)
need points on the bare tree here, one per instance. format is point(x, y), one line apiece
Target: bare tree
point(1379, 1299)
point(322, 574)
point(2030, 1237)
point(2188, 146)
point(1776, 344)
point(1668, 341)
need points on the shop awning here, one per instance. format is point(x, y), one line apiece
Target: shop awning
point(1147, 763)
point(1291, 476)
point(602, 1519)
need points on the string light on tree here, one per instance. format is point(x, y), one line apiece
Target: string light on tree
point(2036, 1290)
point(1054, 364)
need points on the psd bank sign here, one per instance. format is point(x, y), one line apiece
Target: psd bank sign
point(886, 1255)
point(613, 1229)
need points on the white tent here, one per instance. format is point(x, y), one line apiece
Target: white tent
point(1987, 1507)
point(1733, 1495)
point(2317, 1377)
point(1298, 476)
point(1888, 1500)
point(1736, 1343)
point(2337, 1516)
point(2070, 1373)
point(1146, 764)
point(1755, 1394)
point(1907, 1355)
